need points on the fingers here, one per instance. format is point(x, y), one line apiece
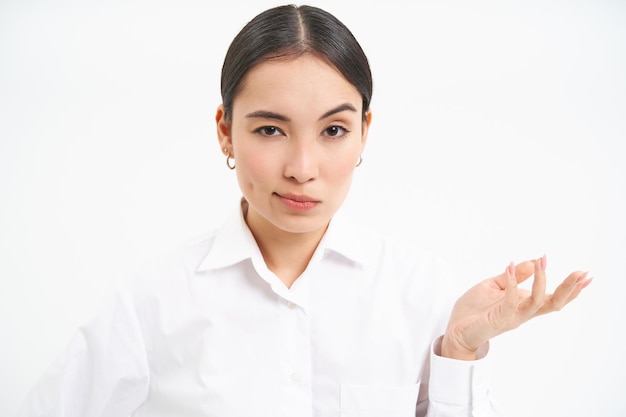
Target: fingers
point(586, 282)
point(569, 289)
point(563, 292)
point(510, 290)
point(539, 283)
point(537, 302)
point(522, 272)
point(581, 284)
point(531, 304)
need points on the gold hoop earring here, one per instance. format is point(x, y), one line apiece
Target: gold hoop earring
point(360, 160)
point(229, 164)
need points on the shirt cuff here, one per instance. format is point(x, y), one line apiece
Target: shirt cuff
point(456, 381)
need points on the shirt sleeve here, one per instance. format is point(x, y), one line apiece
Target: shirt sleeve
point(458, 388)
point(103, 371)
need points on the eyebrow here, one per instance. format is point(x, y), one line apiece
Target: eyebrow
point(264, 114)
point(338, 109)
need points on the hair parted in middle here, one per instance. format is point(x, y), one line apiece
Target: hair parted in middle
point(290, 31)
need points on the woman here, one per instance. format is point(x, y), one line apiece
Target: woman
point(287, 309)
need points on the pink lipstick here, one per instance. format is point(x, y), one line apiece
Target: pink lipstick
point(298, 202)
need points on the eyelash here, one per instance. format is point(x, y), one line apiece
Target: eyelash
point(340, 128)
point(263, 130)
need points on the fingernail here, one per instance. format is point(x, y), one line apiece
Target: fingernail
point(544, 261)
point(512, 269)
point(582, 277)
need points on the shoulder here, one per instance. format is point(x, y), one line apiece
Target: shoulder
point(406, 275)
point(379, 248)
point(388, 259)
point(410, 262)
point(172, 267)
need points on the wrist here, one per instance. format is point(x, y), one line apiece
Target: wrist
point(453, 350)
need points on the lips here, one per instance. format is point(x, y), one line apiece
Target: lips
point(300, 198)
point(299, 202)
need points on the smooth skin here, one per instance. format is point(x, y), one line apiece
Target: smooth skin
point(497, 305)
point(296, 133)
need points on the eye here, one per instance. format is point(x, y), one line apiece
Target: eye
point(335, 131)
point(269, 131)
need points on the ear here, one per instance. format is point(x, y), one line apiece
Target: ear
point(223, 130)
point(365, 129)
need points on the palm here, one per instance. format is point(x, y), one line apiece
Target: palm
point(497, 305)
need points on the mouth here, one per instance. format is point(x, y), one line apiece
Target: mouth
point(299, 202)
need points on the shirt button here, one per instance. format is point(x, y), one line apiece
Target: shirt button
point(291, 305)
point(295, 378)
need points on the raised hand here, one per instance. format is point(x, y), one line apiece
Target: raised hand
point(497, 305)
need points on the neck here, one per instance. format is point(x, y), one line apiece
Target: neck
point(286, 254)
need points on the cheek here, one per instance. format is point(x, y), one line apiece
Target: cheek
point(253, 167)
point(339, 171)
point(343, 162)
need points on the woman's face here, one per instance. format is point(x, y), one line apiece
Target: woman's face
point(296, 134)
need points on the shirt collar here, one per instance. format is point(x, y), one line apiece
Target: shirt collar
point(345, 239)
point(235, 243)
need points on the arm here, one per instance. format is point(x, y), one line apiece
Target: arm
point(458, 381)
point(456, 388)
point(103, 371)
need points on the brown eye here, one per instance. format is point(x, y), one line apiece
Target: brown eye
point(335, 131)
point(269, 131)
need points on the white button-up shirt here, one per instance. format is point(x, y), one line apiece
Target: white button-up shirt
point(209, 330)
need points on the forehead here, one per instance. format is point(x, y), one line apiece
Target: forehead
point(296, 82)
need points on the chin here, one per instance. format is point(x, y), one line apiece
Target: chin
point(303, 225)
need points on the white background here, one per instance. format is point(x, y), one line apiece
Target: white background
point(498, 136)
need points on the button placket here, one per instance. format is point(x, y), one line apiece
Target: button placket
point(296, 378)
point(295, 358)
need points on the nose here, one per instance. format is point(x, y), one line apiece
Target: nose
point(302, 160)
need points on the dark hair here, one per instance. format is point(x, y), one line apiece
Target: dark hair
point(291, 31)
